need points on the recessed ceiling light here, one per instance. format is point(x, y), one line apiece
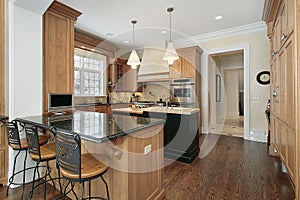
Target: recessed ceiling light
point(126, 42)
point(218, 17)
point(163, 32)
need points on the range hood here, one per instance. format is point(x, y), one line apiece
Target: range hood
point(153, 68)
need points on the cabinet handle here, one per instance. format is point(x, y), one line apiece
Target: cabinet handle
point(274, 93)
point(118, 155)
point(283, 37)
point(274, 53)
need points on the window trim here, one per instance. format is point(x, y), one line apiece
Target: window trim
point(102, 72)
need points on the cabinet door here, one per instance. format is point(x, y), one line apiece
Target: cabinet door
point(101, 109)
point(58, 52)
point(274, 86)
point(291, 150)
point(90, 108)
point(175, 69)
point(274, 131)
point(277, 32)
point(130, 77)
point(289, 83)
point(283, 141)
point(3, 156)
point(125, 80)
point(82, 108)
point(188, 68)
point(290, 15)
point(283, 22)
point(281, 90)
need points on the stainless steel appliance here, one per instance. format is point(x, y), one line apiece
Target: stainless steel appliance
point(183, 90)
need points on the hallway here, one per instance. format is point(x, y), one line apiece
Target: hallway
point(233, 126)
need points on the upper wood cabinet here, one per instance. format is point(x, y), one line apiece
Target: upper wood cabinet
point(122, 77)
point(58, 54)
point(187, 64)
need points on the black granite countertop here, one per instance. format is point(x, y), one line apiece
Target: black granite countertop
point(93, 126)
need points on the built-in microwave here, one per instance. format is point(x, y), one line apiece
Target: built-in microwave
point(183, 90)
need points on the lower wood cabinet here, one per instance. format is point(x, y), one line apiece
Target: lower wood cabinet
point(3, 156)
point(132, 175)
point(284, 139)
point(291, 154)
point(102, 108)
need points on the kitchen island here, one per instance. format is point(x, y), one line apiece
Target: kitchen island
point(181, 129)
point(132, 147)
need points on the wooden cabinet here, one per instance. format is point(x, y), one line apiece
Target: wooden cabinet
point(122, 76)
point(3, 156)
point(132, 175)
point(281, 28)
point(125, 78)
point(3, 139)
point(187, 64)
point(58, 54)
point(102, 108)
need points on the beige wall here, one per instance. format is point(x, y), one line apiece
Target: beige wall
point(259, 60)
point(231, 83)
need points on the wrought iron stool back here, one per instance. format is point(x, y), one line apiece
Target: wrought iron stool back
point(14, 141)
point(13, 136)
point(68, 153)
point(39, 154)
point(69, 159)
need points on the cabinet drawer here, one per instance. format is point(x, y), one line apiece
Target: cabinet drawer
point(101, 109)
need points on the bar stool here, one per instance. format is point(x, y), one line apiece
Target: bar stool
point(77, 167)
point(38, 153)
point(19, 144)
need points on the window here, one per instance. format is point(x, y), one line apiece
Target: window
point(89, 73)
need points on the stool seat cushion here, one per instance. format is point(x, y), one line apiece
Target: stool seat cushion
point(47, 152)
point(43, 139)
point(90, 167)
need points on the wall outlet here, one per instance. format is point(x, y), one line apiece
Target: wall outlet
point(148, 149)
point(255, 98)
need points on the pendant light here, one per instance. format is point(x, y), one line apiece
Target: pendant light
point(171, 54)
point(133, 60)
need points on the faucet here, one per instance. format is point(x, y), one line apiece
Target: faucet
point(168, 100)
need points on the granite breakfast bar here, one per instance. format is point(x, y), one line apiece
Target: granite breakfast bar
point(132, 147)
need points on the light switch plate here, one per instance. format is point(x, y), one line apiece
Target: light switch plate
point(147, 149)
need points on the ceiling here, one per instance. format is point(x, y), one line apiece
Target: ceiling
point(189, 18)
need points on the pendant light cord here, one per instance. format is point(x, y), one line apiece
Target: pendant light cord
point(170, 27)
point(133, 37)
point(133, 34)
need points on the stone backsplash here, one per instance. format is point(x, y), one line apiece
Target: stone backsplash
point(89, 100)
point(120, 97)
point(155, 91)
point(151, 92)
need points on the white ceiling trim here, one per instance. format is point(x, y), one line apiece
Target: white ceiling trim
point(196, 40)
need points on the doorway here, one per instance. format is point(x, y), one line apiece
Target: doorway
point(235, 121)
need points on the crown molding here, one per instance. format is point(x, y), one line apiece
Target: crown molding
point(195, 40)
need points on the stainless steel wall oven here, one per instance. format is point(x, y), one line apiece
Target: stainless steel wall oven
point(183, 90)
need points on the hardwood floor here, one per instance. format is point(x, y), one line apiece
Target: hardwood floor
point(234, 169)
